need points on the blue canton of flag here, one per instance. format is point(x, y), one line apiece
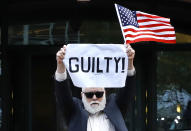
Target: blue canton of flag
point(127, 16)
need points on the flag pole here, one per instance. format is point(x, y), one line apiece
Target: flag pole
point(116, 8)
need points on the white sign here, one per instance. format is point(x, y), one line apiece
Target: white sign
point(97, 65)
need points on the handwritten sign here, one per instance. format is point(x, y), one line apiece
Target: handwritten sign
point(97, 65)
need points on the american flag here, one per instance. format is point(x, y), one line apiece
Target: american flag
point(139, 26)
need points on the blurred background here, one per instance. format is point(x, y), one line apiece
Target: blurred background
point(33, 31)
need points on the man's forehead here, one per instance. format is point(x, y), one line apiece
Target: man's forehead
point(93, 89)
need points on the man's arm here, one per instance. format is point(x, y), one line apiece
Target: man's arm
point(126, 95)
point(62, 86)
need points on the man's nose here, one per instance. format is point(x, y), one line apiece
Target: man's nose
point(94, 97)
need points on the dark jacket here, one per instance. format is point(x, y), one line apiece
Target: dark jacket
point(75, 114)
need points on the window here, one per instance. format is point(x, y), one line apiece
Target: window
point(65, 32)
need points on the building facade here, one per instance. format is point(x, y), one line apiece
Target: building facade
point(33, 31)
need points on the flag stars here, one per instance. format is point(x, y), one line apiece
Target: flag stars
point(127, 16)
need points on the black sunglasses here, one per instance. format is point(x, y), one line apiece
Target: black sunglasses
point(98, 94)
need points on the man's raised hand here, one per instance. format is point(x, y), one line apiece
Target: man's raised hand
point(59, 57)
point(131, 54)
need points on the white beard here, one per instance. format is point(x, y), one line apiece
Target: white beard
point(94, 108)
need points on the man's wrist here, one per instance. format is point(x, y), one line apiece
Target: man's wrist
point(60, 68)
point(130, 64)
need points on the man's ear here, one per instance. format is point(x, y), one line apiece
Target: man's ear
point(81, 94)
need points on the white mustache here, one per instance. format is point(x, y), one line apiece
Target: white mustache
point(94, 102)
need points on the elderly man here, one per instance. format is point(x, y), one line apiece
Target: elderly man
point(94, 112)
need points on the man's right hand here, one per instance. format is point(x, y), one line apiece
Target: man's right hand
point(59, 57)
